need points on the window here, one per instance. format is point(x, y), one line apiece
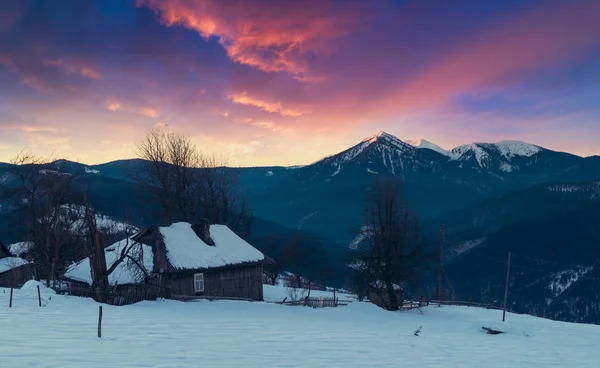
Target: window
point(199, 282)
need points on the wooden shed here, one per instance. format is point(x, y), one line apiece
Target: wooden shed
point(14, 271)
point(204, 260)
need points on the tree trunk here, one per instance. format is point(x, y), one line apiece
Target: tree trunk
point(48, 263)
point(48, 257)
point(100, 272)
point(392, 297)
point(52, 272)
point(298, 281)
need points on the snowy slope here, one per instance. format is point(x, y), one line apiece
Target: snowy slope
point(105, 223)
point(422, 143)
point(481, 151)
point(19, 248)
point(495, 156)
point(241, 334)
point(515, 148)
point(381, 150)
point(590, 190)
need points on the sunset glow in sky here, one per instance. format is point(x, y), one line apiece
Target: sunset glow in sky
point(283, 82)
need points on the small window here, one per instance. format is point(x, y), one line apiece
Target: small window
point(199, 282)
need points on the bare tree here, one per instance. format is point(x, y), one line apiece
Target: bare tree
point(131, 252)
point(41, 195)
point(392, 251)
point(298, 255)
point(273, 270)
point(188, 185)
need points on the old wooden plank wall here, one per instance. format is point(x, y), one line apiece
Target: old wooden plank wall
point(238, 282)
point(17, 276)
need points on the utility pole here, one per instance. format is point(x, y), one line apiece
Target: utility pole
point(440, 267)
point(506, 287)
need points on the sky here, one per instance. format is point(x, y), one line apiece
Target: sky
point(285, 82)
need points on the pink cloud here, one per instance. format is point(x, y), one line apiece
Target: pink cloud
point(73, 68)
point(558, 33)
point(271, 36)
point(244, 99)
point(114, 105)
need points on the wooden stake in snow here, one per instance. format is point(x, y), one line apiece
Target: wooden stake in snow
point(100, 321)
point(438, 295)
point(506, 288)
point(39, 296)
point(10, 302)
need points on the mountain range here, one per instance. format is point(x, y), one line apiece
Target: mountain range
point(541, 205)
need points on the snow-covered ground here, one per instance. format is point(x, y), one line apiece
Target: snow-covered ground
point(243, 334)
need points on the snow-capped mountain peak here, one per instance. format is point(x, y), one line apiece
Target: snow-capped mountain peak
point(495, 155)
point(380, 147)
point(466, 151)
point(383, 152)
point(423, 143)
point(383, 137)
point(517, 148)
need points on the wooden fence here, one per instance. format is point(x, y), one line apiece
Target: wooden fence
point(119, 294)
point(316, 302)
point(321, 302)
point(414, 304)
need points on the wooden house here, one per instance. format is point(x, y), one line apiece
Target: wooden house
point(187, 260)
point(14, 271)
point(205, 260)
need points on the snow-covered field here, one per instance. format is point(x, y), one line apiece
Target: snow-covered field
point(242, 334)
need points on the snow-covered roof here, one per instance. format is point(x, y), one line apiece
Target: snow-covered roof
point(185, 250)
point(20, 248)
point(8, 263)
point(125, 273)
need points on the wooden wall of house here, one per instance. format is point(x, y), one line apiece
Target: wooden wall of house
point(18, 276)
point(240, 282)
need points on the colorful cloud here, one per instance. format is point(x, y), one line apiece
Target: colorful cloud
point(244, 99)
point(272, 36)
point(304, 78)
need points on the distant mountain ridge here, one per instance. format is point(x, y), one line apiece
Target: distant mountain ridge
point(481, 150)
point(492, 197)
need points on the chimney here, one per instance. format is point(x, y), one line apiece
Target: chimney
point(206, 233)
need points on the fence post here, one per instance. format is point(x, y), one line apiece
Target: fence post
point(100, 321)
point(506, 287)
point(39, 296)
point(10, 302)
